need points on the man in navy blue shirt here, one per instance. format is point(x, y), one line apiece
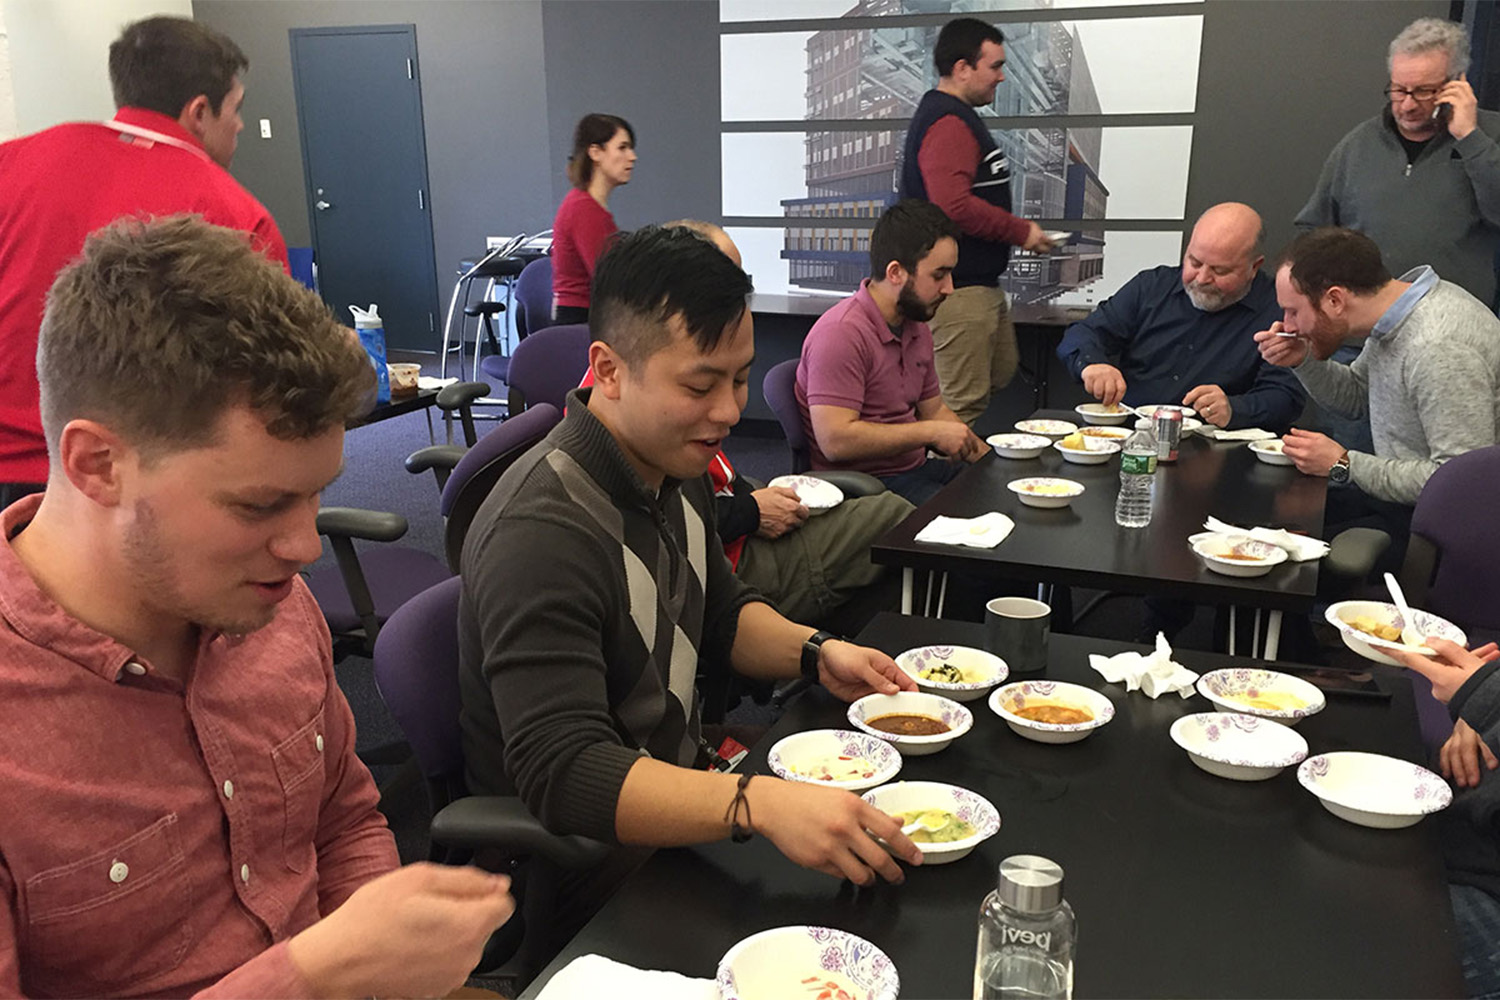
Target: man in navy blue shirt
point(1188, 337)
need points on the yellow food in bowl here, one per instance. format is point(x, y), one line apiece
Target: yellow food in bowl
point(1371, 626)
point(949, 673)
point(950, 827)
point(1056, 715)
point(1269, 701)
point(1075, 442)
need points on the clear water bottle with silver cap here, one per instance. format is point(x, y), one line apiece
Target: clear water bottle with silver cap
point(1137, 478)
point(1026, 934)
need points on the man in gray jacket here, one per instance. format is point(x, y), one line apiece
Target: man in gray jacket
point(1422, 178)
point(1428, 378)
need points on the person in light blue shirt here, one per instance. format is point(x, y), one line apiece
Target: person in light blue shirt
point(1187, 336)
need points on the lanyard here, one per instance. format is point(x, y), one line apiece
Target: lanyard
point(153, 136)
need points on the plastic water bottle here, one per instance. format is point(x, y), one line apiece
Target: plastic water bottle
point(1027, 934)
point(1137, 480)
point(371, 330)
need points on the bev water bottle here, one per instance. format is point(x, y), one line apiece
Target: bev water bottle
point(1137, 479)
point(1026, 934)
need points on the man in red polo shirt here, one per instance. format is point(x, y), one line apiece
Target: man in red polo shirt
point(177, 87)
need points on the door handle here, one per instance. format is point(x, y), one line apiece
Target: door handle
point(322, 205)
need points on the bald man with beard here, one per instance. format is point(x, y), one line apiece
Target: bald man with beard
point(1187, 336)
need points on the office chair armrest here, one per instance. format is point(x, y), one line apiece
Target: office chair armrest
point(1353, 552)
point(371, 525)
point(434, 457)
point(503, 823)
point(854, 484)
point(460, 394)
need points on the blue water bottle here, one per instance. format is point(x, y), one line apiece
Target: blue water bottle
point(371, 330)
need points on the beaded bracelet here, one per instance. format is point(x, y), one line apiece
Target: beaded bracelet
point(739, 832)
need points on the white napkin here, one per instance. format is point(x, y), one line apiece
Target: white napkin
point(1243, 434)
point(1154, 673)
point(433, 382)
point(588, 977)
point(1299, 547)
point(982, 532)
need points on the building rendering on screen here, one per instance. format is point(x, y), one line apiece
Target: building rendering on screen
point(881, 73)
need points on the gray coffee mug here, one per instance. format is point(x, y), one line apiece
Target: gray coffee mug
point(1016, 630)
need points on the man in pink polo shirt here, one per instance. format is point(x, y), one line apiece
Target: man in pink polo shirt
point(866, 385)
point(181, 808)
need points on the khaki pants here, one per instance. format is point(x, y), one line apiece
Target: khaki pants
point(974, 342)
point(810, 571)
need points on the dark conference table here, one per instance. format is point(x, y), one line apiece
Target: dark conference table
point(1185, 884)
point(1080, 545)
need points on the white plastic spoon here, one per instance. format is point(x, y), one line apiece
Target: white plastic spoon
point(1409, 634)
point(932, 821)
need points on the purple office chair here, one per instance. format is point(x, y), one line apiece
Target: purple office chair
point(548, 365)
point(362, 592)
point(534, 297)
point(1452, 565)
point(416, 672)
point(780, 389)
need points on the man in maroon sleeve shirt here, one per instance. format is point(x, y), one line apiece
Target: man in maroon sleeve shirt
point(952, 161)
point(167, 150)
point(181, 809)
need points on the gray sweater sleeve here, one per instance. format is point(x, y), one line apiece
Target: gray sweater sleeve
point(1322, 207)
point(1481, 159)
point(1455, 392)
point(544, 663)
point(1342, 388)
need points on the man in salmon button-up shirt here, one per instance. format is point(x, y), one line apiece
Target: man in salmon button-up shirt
point(181, 809)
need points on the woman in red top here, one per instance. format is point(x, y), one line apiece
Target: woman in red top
point(603, 157)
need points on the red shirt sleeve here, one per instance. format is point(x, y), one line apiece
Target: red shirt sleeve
point(591, 230)
point(947, 159)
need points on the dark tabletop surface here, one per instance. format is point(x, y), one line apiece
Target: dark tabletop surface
point(418, 400)
point(1081, 545)
point(1184, 884)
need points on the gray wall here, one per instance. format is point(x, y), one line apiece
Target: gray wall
point(1278, 84)
point(502, 85)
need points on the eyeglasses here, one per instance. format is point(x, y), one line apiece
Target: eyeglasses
point(1419, 94)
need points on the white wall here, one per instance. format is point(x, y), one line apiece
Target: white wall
point(55, 55)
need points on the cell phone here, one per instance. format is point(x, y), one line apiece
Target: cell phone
point(1442, 112)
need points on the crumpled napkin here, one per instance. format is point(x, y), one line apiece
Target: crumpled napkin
point(1153, 673)
point(433, 382)
point(982, 532)
point(1243, 434)
point(590, 976)
point(1300, 548)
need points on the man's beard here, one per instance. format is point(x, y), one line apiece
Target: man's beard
point(914, 309)
point(1212, 299)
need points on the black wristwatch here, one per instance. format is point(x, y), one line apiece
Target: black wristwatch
point(1338, 475)
point(811, 647)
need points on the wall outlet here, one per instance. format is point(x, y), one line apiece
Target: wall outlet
point(265, 128)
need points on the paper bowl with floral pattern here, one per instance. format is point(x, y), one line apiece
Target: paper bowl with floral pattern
point(1266, 694)
point(1047, 427)
point(1098, 413)
point(807, 963)
point(1345, 614)
point(837, 758)
point(956, 717)
point(981, 670)
point(817, 495)
point(1018, 445)
point(1238, 746)
point(1012, 699)
point(920, 796)
point(1373, 790)
point(1236, 555)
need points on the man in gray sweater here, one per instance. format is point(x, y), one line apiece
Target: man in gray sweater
point(1422, 178)
point(595, 586)
point(1428, 378)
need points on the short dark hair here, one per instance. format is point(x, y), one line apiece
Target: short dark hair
point(961, 39)
point(1331, 255)
point(163, 325)
point(906, 233)
point(162, 63)
point(592, 130)
point(646, 277)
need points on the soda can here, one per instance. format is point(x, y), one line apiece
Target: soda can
point(1168, 434)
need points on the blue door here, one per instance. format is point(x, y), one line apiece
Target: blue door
point(364, 154)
